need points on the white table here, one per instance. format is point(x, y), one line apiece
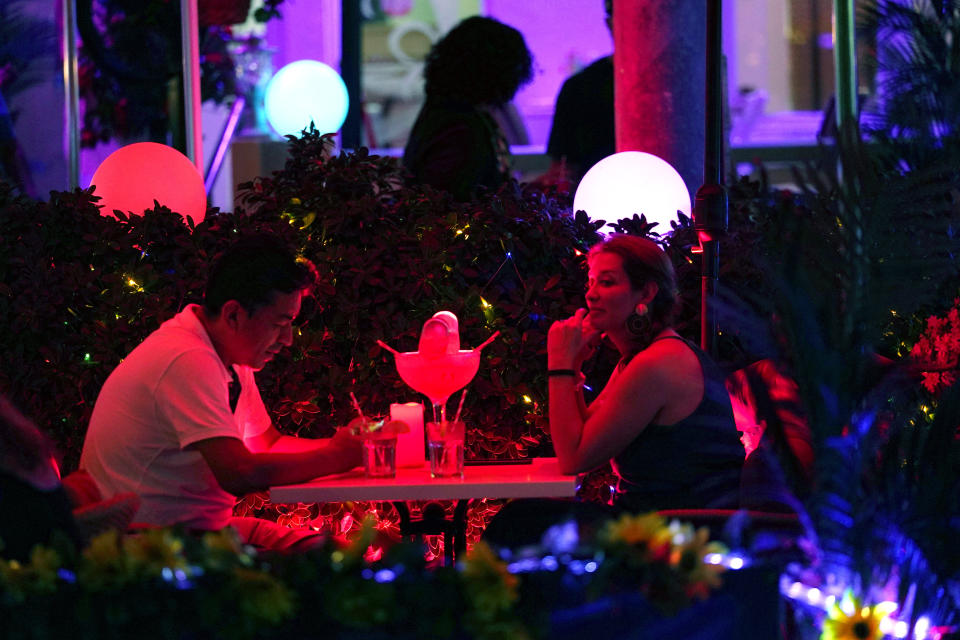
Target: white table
point(541, 478)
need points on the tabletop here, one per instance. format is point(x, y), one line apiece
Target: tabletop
point(539, 479)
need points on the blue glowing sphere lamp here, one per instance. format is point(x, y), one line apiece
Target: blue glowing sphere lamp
point(632, 182)
point(305, 91)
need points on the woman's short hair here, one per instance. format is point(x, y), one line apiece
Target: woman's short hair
point(253, 270)
point(643, 262)
point(481, 61)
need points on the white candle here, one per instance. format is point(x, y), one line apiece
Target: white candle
point(409, 445)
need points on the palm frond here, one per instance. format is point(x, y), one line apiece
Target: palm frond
point(918, 68)
point(867, 239)
point(24, 39)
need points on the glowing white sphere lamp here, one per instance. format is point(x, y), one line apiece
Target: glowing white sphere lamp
point(632, 182)
point(133, 176)
point(305, 91)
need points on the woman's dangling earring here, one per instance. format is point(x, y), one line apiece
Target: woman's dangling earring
point(638, 322)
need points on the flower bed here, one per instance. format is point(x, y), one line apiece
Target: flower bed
point(163, 584)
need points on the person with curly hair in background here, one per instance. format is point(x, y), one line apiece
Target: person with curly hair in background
point(456, 144)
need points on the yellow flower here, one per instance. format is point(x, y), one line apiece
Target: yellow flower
point(688, 559)
point(491, 593)
point(226, 540)
point(153, 550)
point(260, 596)
point(649, 531)
point(367, 534)
point(492, 587)
point(849, 620)
point(224, 548)
point(37, 576)
point(45, 563)
point(103, 562)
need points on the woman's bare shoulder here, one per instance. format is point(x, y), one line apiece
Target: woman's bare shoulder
point(666, 356)
point(671, 368)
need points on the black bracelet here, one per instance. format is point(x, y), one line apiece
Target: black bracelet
point(551, 373)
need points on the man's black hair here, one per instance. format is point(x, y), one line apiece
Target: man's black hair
point(252, 271)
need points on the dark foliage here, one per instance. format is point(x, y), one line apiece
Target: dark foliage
point(849, 263)
point(917, 105)
point(79, 290)
point(24, 39)
point(389, 256)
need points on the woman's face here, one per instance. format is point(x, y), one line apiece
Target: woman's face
point(610, 297)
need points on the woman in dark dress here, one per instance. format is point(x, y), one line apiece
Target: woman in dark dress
point(456, 144)
point(663, 420)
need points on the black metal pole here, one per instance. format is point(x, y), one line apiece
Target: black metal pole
point(350, 56)
point(710, 207)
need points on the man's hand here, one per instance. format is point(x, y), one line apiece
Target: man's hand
point(239, 470)
point(347, 445)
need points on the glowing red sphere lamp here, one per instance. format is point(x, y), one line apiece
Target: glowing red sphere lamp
point(133, 176)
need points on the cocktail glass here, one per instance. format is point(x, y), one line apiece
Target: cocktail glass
point(445, 446)
point(380, 455)
point(439, 376)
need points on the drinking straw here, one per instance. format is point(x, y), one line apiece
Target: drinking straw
point(356, 405)
point(488, 340)
point(456, 418)
point(388, 347)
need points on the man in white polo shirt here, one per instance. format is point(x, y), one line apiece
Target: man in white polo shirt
point(180, 421)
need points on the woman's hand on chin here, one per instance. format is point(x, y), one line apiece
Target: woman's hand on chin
point(571, 341)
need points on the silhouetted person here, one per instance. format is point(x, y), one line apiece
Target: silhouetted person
point(582, 133)
point(456, 144)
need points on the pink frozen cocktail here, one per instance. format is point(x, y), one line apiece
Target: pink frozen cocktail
point(437, 378)
point(439, 366)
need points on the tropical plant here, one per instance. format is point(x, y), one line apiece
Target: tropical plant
point(849, 262)
point(24, 39)
point(916, 110)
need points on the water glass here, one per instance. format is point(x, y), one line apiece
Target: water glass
point(380, 457)
point(445, 446)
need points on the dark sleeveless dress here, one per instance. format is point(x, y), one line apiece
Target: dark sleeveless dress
point(692, 464)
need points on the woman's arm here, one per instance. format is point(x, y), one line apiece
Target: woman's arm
point(629, 402)
point(569, 343)
point(599, 400)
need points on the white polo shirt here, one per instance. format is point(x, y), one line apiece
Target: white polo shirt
point(171, 391)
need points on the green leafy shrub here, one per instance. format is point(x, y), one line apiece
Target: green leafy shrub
point(164, 584)
point(79, 290)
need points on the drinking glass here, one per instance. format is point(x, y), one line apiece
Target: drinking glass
point(445, 445)
point(380, 456)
